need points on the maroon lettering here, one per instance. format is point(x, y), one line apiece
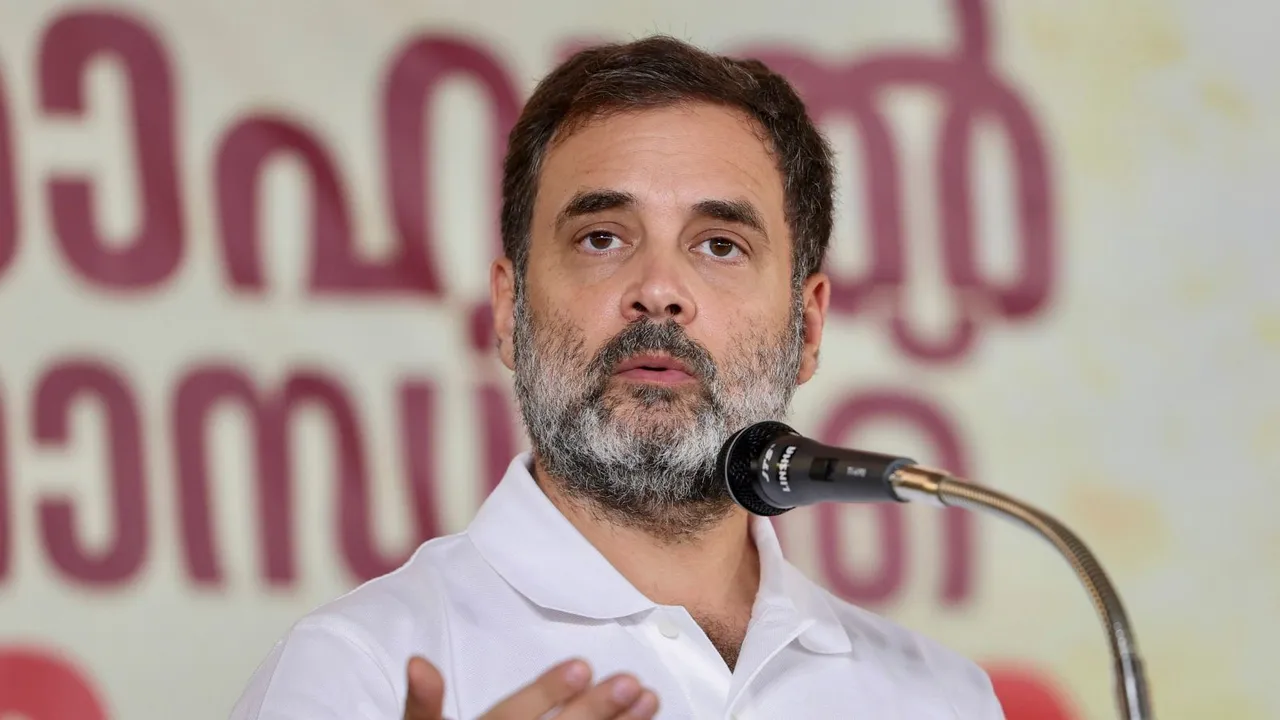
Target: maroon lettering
point(152, 253)
point(354, 494)
point(886, 580)
point(882, 582)
point(242, 154)
point(64, 385)
point(38, 686)
point(417, 440)
point(939, 431)
point(497, 433)
point(964, 79)
point(480, 329)
point(414, 78)
point(497, 424)
point(197, 395)
point(270, 416)
point(8, 188)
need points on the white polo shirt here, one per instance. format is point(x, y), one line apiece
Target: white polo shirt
point(522, 590)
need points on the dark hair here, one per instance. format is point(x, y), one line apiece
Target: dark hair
point(660, 71)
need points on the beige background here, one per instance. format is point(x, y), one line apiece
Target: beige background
point(1139, 404)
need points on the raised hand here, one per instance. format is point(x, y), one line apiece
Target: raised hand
point(565, 688)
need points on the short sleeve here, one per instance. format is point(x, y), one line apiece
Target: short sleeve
point(974, 695)
point(319, 672)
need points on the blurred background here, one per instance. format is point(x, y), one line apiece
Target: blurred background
point(245, 360)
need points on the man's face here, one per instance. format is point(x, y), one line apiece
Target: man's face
point(657, 313)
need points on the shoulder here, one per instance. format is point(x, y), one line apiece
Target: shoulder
point(901, 651)
point(350, 654)
point(407, 608)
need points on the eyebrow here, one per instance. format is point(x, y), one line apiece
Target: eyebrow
point(739, 212)
point(590, 202)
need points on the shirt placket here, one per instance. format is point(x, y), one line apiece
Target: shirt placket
point(775, 628)
point(689, 657)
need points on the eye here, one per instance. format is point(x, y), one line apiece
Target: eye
point(719, 247)
point(600, 241)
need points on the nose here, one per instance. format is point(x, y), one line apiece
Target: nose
point(659, 290)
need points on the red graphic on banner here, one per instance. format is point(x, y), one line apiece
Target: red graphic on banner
point(35, 685)
point(965, 80)
point(154, 251)
point(1026, 694)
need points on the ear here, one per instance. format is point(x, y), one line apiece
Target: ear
point(502, 298)
point(817, 297)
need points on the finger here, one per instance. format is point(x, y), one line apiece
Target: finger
point(550, 690)
point(620, 696)
point(643, 709)
point(425, 697)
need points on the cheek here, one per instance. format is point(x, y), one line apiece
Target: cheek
point(570, 330)
point(591, 311)
point(743, 293)
point(735, 345)
point(576, 292)
point(733, 320)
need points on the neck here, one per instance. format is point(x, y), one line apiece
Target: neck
point(715, 570)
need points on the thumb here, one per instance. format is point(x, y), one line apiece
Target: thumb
point(425, 697)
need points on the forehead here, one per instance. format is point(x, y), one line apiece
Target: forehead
point(670, 156)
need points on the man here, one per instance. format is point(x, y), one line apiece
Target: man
point(665, 215)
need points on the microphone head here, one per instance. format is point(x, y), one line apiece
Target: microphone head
point(736, 458)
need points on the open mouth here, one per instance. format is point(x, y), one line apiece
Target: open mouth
point(655, 368)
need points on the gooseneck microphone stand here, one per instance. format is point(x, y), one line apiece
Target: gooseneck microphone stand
point(769, 469)
point(916, 483)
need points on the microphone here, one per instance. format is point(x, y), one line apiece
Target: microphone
point(769, 469)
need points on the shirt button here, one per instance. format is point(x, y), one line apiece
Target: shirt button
point(668, 629)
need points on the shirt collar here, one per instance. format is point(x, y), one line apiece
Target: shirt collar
point(527, 541)
point(794, 598)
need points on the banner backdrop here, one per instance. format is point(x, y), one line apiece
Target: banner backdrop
point(245, 360)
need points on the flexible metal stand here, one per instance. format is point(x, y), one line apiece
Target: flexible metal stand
point(915, 483)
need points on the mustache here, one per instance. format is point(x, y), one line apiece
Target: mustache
point(647, 336)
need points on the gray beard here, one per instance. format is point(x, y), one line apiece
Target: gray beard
point(643, 455)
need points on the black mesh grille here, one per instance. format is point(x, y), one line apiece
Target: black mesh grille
point(734, 463)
